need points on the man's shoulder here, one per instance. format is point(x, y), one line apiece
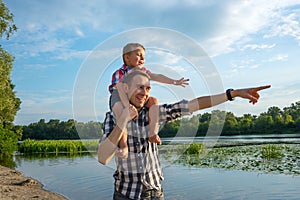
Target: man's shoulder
point(109, 115)
point(182, 103)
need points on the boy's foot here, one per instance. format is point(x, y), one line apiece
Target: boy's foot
point(155, 139)
point(122, 153)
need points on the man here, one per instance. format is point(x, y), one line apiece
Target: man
point(140, 175)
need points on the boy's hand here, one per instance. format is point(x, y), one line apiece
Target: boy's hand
point(182, 82)
point(154, 139)
point(128, 113)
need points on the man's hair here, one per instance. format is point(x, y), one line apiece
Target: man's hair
point(128, 48)
point(128, 77)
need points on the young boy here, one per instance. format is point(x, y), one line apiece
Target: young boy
point(134, 59)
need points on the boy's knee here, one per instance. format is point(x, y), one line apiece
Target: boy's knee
point(151, 101)
point(155, 100)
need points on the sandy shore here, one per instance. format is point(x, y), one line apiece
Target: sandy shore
point(15, 186)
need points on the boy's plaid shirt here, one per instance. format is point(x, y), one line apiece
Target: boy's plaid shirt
point(119, 74)
point(142, 167)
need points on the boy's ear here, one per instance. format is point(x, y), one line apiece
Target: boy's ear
point(126, 57)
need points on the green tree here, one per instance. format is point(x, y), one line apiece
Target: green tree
point(293, 110)
point(276, 115)
point(264, 123)
point(246, 123)
point(231, 124)
point(9, 103)
point(7, 26)
point(204, 120)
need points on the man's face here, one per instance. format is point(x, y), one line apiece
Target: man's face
point(139, 91)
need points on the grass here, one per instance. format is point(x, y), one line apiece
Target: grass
point(57, 146)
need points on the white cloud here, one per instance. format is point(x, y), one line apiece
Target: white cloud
point(279, 57)
point(242, 21)
point(286, 25)
point(258, 47)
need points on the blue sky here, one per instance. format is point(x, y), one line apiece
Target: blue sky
point(249, 43)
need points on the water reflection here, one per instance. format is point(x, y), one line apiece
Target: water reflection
point(7, 161)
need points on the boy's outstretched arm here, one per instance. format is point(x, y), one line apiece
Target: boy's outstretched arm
point(209, 101)
point(164, 79)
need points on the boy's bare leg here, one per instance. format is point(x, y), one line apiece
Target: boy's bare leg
point(153, 124)
point(122, 152)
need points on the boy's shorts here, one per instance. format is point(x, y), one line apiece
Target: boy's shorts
point(114, 98)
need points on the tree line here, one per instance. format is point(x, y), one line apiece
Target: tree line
point(55, 129)
point(274, 120)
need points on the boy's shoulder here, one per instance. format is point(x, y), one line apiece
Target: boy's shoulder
point(123, 69)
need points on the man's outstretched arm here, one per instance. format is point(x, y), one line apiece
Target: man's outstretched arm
point(209, 101)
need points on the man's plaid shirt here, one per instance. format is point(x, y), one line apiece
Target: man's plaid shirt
point(142, 167)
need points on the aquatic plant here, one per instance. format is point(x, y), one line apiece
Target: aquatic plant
point(271, 151)
point(56, 146)
point(271, 158)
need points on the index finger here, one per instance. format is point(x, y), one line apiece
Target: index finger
point(263, 87)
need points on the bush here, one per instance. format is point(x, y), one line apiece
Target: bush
point(195, 149)
point(8, 141)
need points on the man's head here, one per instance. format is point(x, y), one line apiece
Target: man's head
point(137, 87)
point(133, 54)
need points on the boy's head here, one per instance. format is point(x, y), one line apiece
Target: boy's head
point(133, 54)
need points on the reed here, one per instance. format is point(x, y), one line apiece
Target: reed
point(271, 151)
point(56, 146)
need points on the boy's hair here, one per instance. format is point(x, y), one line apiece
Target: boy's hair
point(128, 77)
point(131, 47)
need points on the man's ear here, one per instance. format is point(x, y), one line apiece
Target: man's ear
point(126, 88)
point(123, 89)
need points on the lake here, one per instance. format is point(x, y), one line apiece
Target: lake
point(82, 177)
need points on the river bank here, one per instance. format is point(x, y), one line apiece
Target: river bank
point(15, 186)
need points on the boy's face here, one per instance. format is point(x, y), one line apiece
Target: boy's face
point(135, 58)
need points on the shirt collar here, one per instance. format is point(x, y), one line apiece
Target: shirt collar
point(125, 67)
